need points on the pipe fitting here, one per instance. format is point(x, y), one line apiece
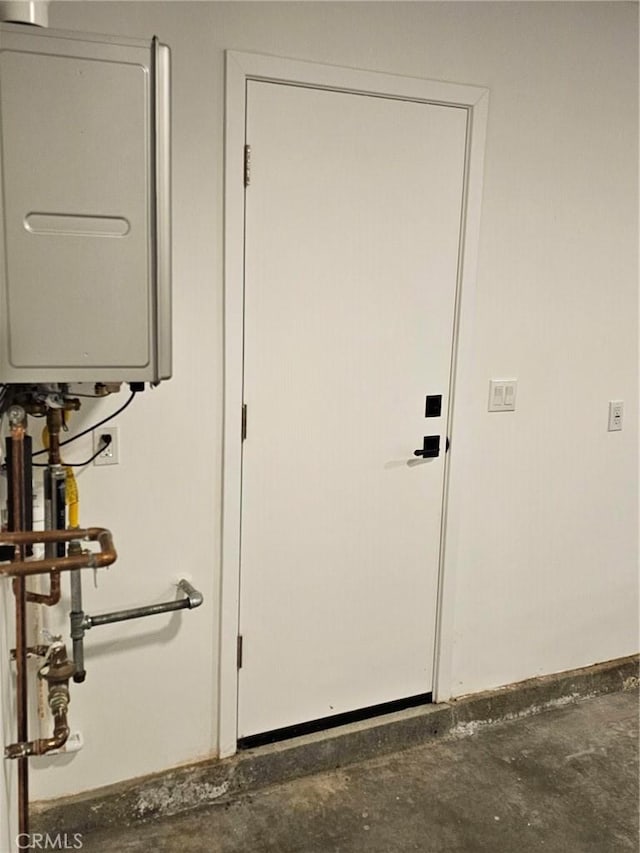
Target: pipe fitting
point(16, 416)
point(55, 591)
point(56, 672)
point(58, 669)
point(86, 559)
point(194, 596)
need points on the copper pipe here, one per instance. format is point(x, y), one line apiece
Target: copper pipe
point(46, 744)
point(55, 591)
point(87, 559)
point(32, 537)
point(17, 419)
point(57, 740)
point(19, 590)
point(54, 425)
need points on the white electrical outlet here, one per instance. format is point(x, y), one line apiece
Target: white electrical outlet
point(502, 395)
point(111, 453)
point(616, 411)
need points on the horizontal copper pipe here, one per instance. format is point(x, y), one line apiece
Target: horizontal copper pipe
point(86, 560)
point(31, 537)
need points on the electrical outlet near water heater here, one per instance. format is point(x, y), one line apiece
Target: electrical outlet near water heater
point(106, 446)
point(502, 395)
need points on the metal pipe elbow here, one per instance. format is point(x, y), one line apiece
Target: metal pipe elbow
point(56, 741)
point(194, 596)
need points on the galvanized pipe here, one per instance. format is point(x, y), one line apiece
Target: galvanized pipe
point(76, 616)
point(192, 599)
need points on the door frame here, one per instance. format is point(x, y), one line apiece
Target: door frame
point(240, 68)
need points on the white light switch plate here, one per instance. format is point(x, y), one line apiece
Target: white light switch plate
point(502, 395)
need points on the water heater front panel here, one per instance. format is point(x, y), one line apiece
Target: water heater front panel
point(84, 295)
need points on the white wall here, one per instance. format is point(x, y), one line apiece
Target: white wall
point(547, 545)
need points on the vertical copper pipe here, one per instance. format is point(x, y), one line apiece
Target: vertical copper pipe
point(19, 589)
point(18, 422)
point(54, 425)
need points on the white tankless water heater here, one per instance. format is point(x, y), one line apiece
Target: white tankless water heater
point(85, 258)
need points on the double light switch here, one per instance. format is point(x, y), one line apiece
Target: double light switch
point(502, 395)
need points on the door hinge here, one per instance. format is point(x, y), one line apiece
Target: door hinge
point(243, 428)
point(247, 165)
point(239, 651)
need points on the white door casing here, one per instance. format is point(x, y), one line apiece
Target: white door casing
point(461, 111)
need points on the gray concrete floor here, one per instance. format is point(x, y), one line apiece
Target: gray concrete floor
point(564, 781)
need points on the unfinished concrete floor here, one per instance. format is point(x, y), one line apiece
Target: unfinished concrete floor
point(564, 781)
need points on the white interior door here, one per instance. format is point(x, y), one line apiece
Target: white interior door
point(353, 220)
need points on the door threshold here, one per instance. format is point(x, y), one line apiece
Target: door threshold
point(332, 722)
